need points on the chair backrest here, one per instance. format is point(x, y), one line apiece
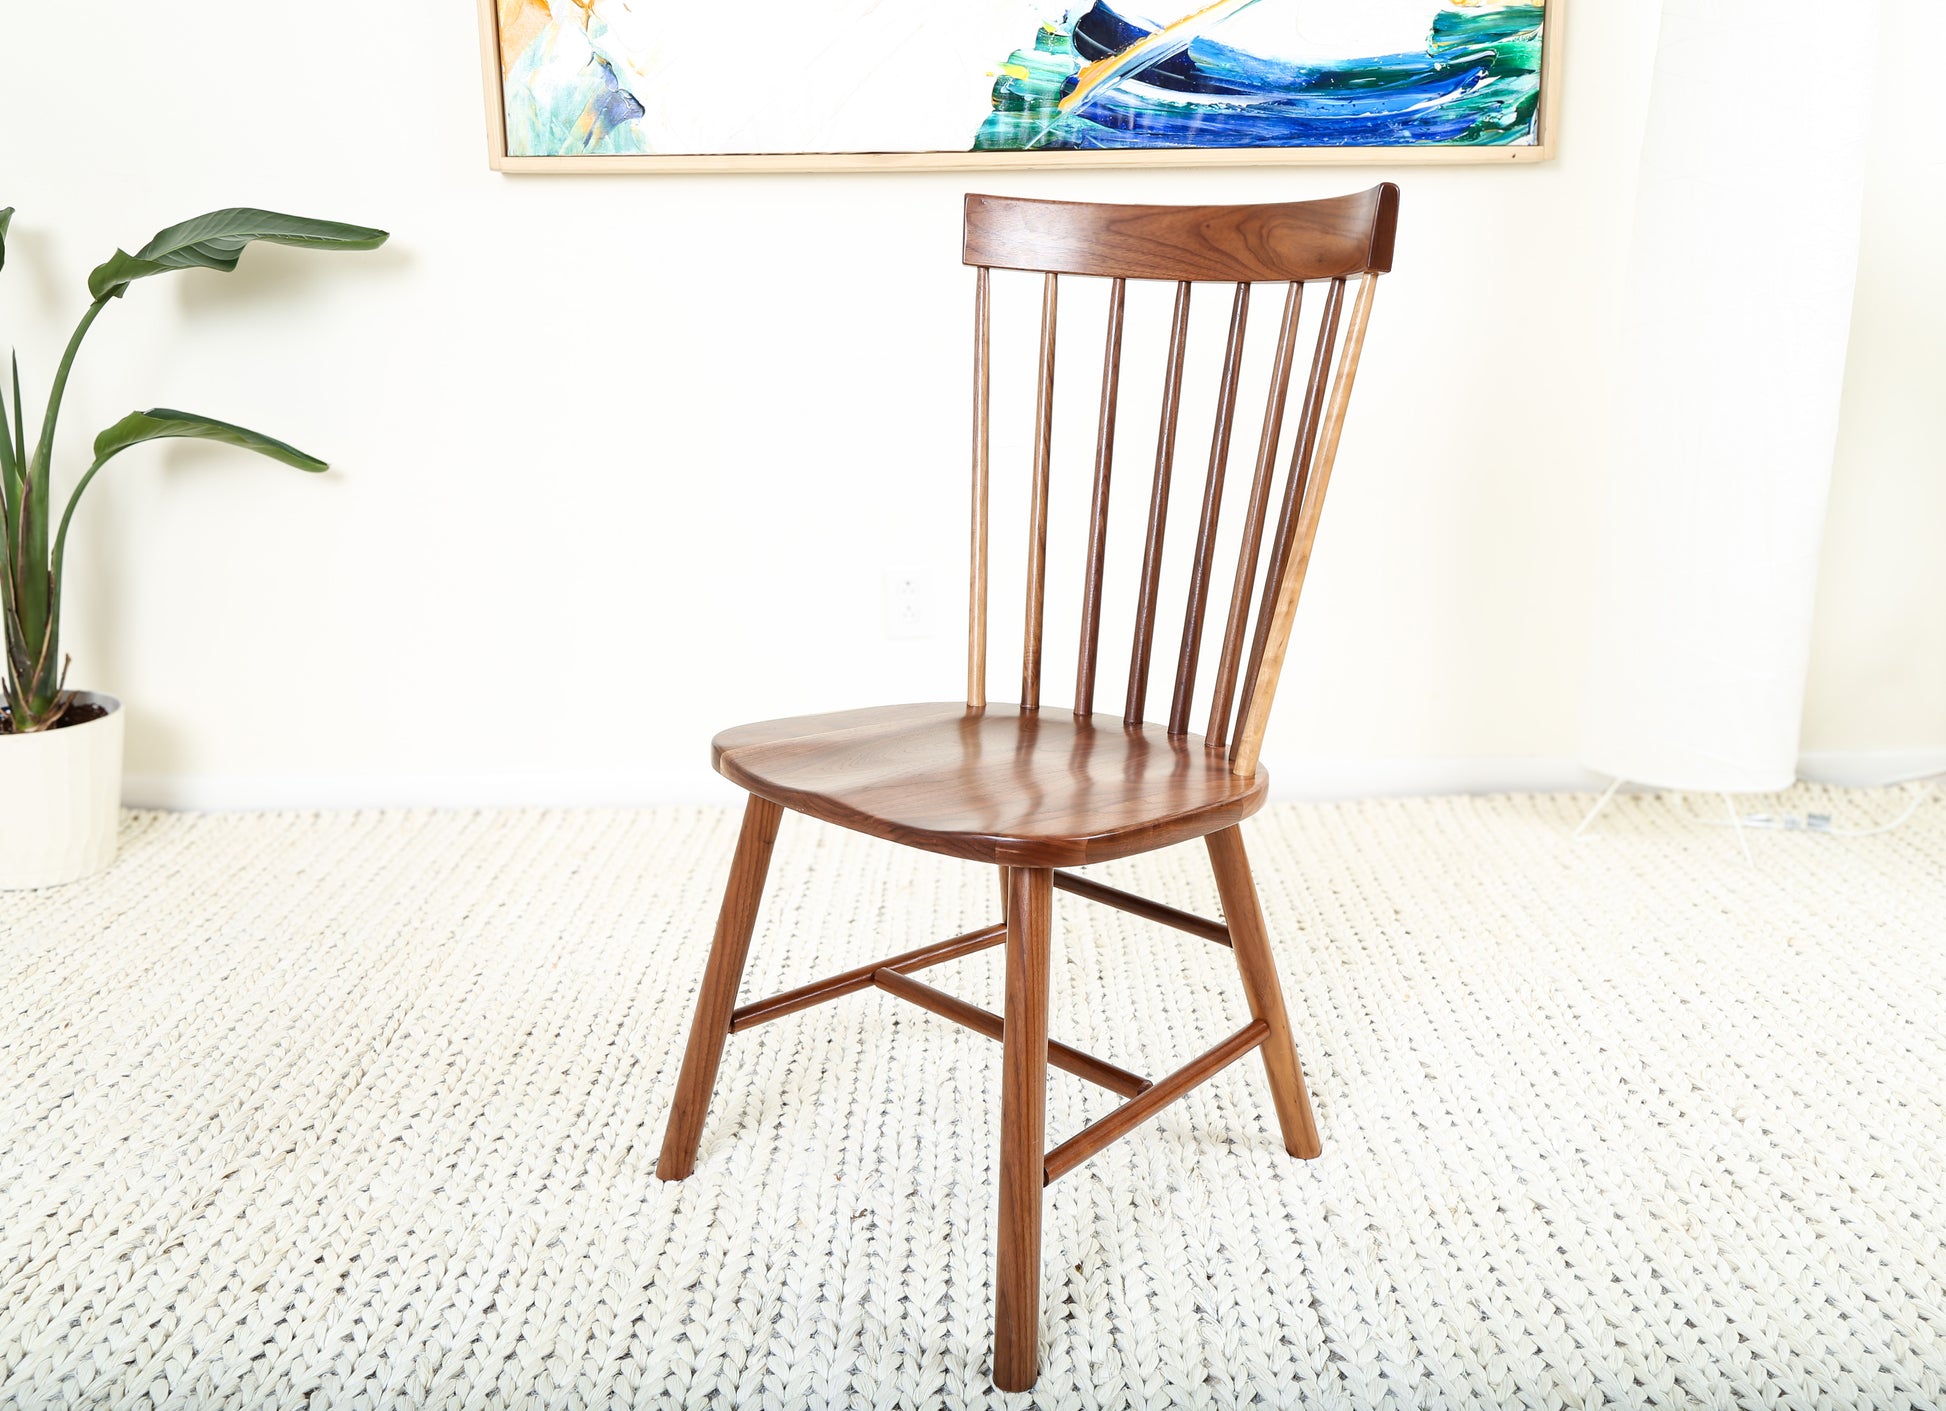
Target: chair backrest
point(1327, 242)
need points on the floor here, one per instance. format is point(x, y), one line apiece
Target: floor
point(362, 1109)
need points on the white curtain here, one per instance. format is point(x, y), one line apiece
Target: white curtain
point(1739, 306)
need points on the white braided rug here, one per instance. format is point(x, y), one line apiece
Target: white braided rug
point(332, 1110)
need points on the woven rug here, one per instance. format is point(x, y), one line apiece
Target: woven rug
point(362, 1109)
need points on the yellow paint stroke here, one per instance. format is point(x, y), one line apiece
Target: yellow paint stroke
point(1170, 40)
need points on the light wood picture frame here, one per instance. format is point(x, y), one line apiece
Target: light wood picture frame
point(1087, 86)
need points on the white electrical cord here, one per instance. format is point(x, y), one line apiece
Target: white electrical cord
point(1817, 822)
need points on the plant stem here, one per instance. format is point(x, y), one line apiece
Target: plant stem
point(33, 653)
point(44, 452)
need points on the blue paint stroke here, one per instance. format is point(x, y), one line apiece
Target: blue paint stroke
point(1477, 83)
point(563, 98)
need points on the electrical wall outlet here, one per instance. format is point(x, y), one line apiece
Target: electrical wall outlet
point(907, 603)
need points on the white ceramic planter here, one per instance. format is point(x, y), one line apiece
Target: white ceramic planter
point(61, 799)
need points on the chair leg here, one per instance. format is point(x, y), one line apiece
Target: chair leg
point(711, 1026)
point(1023, 1131)
point(1252, 945)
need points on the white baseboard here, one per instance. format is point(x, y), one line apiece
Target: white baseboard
point(616, 789)
point(1866, 769)
point(1321, 780)
point(1306, 779)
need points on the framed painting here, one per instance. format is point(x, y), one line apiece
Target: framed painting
point(660, 85)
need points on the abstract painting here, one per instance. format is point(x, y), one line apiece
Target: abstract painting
point(662, 85)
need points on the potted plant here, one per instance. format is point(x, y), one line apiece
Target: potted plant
point(61, 749)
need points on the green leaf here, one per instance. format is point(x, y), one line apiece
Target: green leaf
point(216, 241)
point(6, 219)
point(9, 458)
point(159, 422)
point(9, 465)
point(156, 424)
point(20, 427)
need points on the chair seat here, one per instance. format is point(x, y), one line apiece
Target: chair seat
point(994, 784)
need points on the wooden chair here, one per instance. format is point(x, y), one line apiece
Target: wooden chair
point(1035, 791)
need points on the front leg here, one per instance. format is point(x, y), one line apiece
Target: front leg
point(711, 1026)
point(1023, 1131)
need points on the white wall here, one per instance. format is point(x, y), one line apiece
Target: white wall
point(619, 461)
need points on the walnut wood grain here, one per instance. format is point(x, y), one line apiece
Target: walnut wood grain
point(976, 593)
point(1256, 716)
point(1144, 907)
point(1139, 1109)
point(1165, 460)
point(863, 977)
point(1251, 942)
point(1023, 1133)
point(1091, 585)
point(1030, 665)
point(1206, 523)
point(1310, 415)
point(1345, 235)
point(984, 1021)
point(1001, 785)
point(1230, 656)
point(711, 1024)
